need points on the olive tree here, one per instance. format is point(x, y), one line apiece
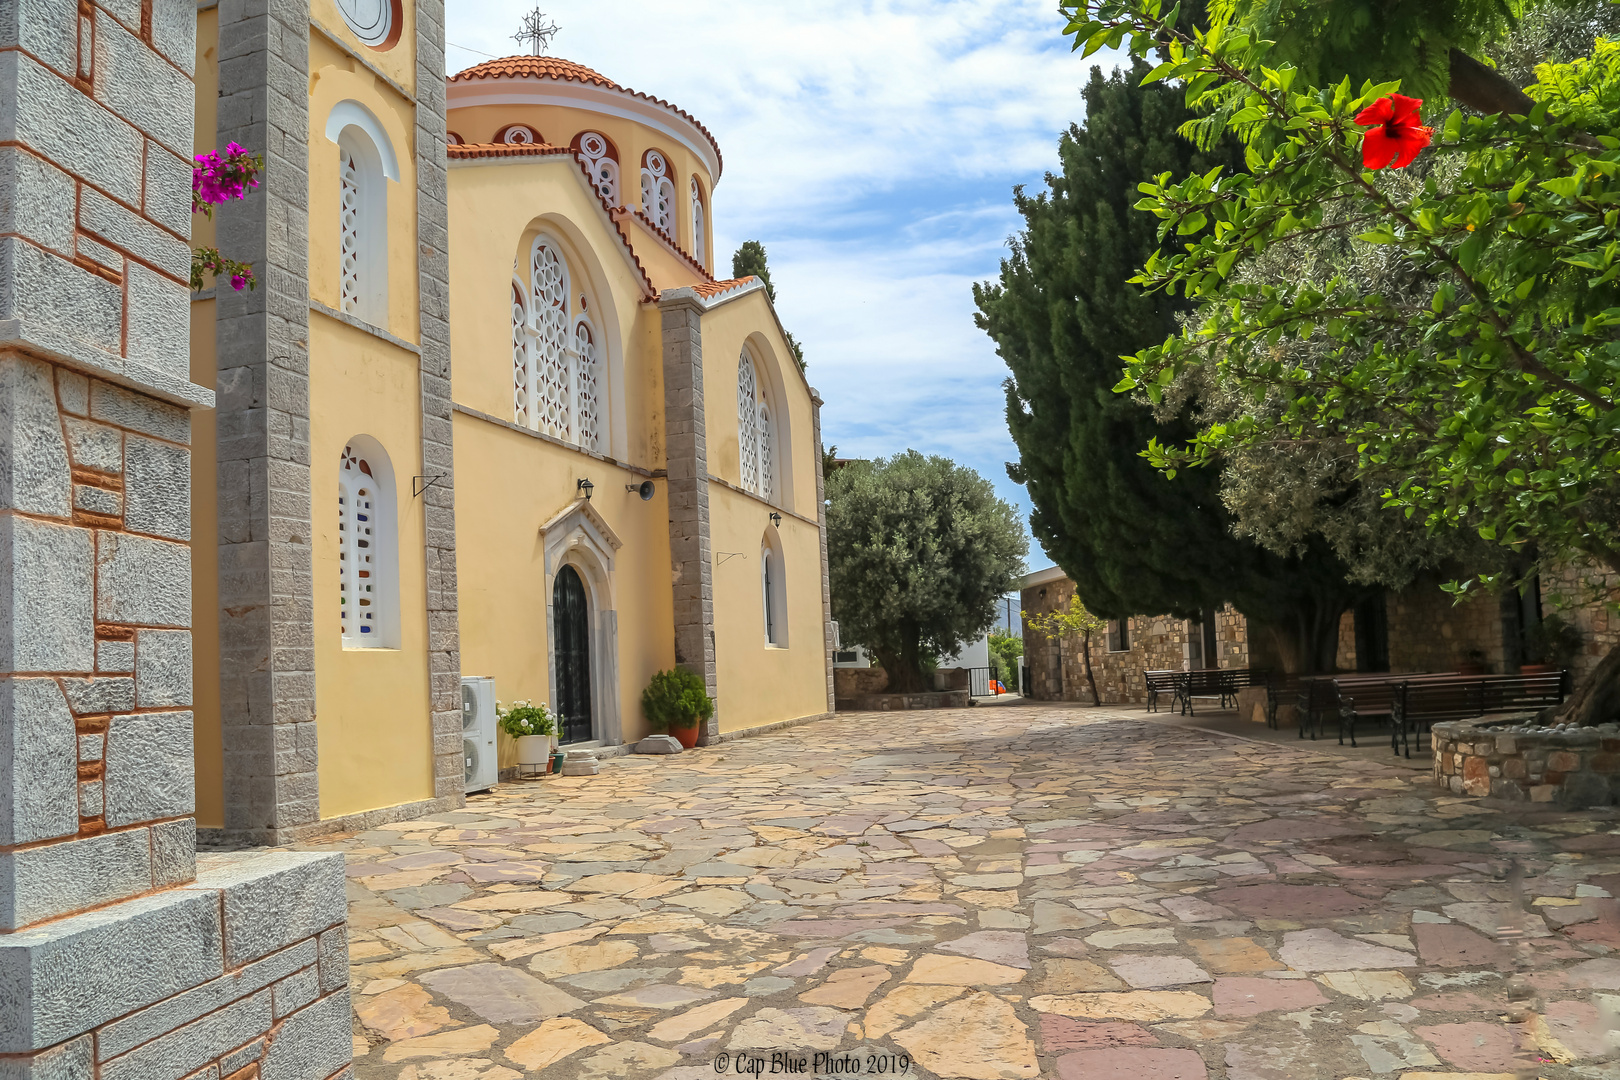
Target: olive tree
point(920, 551)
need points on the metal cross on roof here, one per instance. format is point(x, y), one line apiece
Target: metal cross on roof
point(536, 32)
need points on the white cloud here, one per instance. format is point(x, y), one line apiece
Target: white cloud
point(872, 145)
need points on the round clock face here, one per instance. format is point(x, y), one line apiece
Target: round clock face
point(373, 21)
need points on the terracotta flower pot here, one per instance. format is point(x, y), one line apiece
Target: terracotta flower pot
point(686, 736)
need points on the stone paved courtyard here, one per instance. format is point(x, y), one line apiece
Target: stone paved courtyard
point(996, 893)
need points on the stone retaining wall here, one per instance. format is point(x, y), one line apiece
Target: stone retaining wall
point(947, 699)
point(1570, 766)
point(858, 682)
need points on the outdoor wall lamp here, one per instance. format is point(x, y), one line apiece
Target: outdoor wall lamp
point(776, 519)
point(587, 487)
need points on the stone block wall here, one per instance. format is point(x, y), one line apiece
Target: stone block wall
point(1585, 594)
point(1576, 767)
point(1157, 642)
point(686, 457)
point(1427, 632)
point(244, 968)
point(855, 682)
point(125, 956)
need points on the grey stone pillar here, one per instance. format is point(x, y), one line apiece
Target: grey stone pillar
point(687, 461)
point(821, 522)
point(124, 952)
point(433, 254)
point(266, 593)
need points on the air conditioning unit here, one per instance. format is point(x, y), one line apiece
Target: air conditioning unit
point(478, 732)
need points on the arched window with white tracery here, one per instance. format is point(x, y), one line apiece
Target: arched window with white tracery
point(362, 228)
point(767, 452)
point(558, 361)
point(658, 191)
point(756, 433)
point(697, 221)
point(548, 310)
point(587, 386)
point(349, 228)
point(522, 362)
point(368, 580)
point(601, 161)
point(518, 135)
point(748, 422)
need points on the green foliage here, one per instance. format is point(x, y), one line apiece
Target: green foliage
point(1005, 651)
point(1378, 40)
point(676, 698)
point(1074, 619)
point(1489, 397)
point(920, 551)
point(526, 718)
point(1062, 314)
point(750, 260)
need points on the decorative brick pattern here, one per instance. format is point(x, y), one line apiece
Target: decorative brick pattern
point(687, 459)
point(433, 256)
point(266, 598)
point(1576, 767)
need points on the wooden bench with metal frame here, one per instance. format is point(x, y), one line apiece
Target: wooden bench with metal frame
point(1361, 699)
point(1322, 694)
point(1161, 682)
point(1425, 702)
point(1203, 683)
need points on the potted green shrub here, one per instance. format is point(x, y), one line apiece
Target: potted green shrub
point(533, 726)
point(677, 701)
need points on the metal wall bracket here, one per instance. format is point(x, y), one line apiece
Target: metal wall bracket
point(420, 484)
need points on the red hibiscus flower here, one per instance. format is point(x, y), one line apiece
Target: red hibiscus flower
point(1396, 136)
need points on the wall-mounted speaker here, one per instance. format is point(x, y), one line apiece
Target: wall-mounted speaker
point(645, 490)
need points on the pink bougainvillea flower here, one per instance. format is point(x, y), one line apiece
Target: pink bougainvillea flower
point(238, 282)
point(1396, 136)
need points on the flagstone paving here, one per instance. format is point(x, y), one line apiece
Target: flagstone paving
point(998, 894)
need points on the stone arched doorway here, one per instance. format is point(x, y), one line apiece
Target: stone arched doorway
point(571, 644)
point(582, 623)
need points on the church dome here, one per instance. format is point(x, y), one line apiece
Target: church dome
point(585, 83)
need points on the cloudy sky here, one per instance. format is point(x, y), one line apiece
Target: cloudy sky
point(873, 146)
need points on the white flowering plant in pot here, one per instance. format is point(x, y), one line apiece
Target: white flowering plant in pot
point(533, 726)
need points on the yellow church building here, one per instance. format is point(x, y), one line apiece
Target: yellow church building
point(488, 413)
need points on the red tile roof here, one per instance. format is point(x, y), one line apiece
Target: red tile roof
point(669, 242)
point(554, 67)
point(711, 289)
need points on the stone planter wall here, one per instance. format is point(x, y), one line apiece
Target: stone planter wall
point(856, 682)
point(1575, 767)
point(948, 699)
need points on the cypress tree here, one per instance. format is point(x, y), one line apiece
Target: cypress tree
point(750, 260)
point(1062, 315)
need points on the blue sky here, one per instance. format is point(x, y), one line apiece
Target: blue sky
point(873, 148)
